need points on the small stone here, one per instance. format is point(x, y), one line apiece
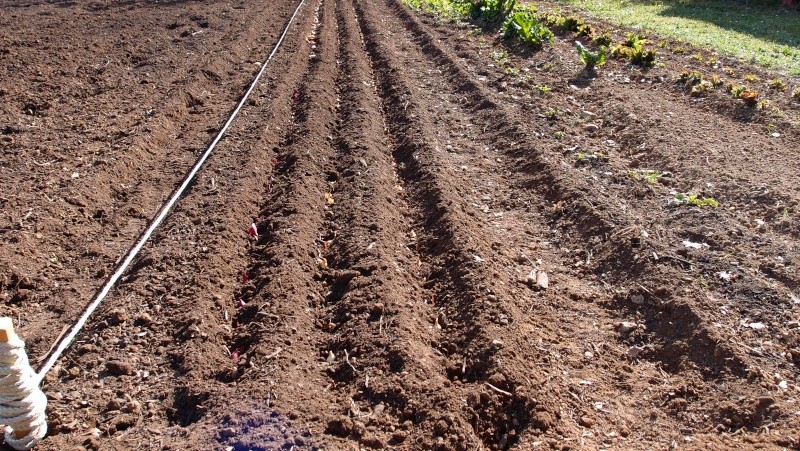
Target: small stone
point(143, 320)
point(378, 410)
point(114, 404)
point(92, 443)
point(626, 326)
point(586, 422)
point(117, 317)
point(119, 368)
point(542, 281)
point(340, 427)
point(399, 437)
point(637, 299)
point(634, 352)
point(591, 128)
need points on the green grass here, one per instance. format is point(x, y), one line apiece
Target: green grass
point(759, 33)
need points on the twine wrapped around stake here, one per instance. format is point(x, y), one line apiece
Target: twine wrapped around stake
point(22, 403)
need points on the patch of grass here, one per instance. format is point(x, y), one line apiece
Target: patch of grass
point(751, 31)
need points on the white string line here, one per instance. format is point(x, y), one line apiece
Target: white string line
point(67, 340)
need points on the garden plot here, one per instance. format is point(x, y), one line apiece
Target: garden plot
point(418, 234)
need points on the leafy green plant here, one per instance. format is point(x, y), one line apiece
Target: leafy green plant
point(490, 12)
point(716, 80)
point(796, 93)
point(586, 30)
point(762, 105)
point(679, 50)
point(641, 56)
point(631, 39)
point(558, 135)
point(736, 90)
point(603, 40)
point(551, 113)
point(543, 89)
point(702, 88)
point(524, 26)
point(633, 49)
point(750, 78)
point(750, 97)
point(570, 23)
point(694, 199)
point(777, 85)
point(690, 78)
point(590, 60)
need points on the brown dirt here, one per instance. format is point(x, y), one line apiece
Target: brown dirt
point(405, 179)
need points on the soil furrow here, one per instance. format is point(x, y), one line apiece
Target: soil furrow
point(685, 310)
point(185, 373)
point(98, 204)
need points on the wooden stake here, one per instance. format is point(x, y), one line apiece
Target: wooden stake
point(7, 334)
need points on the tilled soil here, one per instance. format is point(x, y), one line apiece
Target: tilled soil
point(436, 267)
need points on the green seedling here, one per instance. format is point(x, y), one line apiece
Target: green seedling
point(551, 113)
point(777, 85)
point(690, 78)
point(590, 157)
point(586, 30)
point(702, 88)
point(694, 199)
point(633, 49)
point(679, 50)
point(500, 57)
point(750, 78)
point(590, 60)
point(716, 80)
point(558, 135)
point(524, 26)
point(648, 175)
point(604, 40)
point(796, 93)
point(543, 89)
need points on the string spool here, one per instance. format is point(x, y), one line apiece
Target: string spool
point(22, 403)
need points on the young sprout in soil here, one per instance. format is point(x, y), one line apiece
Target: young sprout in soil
point(648, 175)
point(762, 105)
point(796, 93)
point(750, 78)
point(777, 85)
point(716, 80)
point(749, 97)
point(690, 79)
point(543, 89)
point(500, 57)
point(702, 88)
point(590, 157)
point(551, 113)
point(694, 199)
point(558, 135)
point(590, 60)
point(633, 50)
point(679, 50)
